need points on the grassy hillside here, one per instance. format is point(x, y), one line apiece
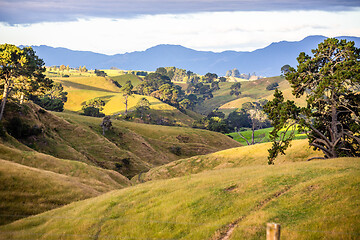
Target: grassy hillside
point(262, 135)
point(250, 91)
point(311, 200)
point(235, 157)
point(33, 182)
point(102, 180)
point(128, 148)
point(122, 79)
point(83, 88)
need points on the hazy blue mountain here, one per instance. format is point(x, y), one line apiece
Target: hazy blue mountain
point(265, 62)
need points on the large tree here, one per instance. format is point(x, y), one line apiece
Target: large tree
point(21, 73)
point(235, 89)
point(257, 117)
point(330, 80)
point(127, 91)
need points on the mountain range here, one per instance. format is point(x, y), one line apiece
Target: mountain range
point(264, 62)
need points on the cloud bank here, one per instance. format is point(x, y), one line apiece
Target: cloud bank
point(208, 31)
point(35, 11)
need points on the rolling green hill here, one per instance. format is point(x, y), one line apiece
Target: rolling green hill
point(236, 157)
point(311, 200)
point(122, 79)
point(250, 91)
point(68, 159)
point(129, 148)
point(33, 182)
point(83, 88)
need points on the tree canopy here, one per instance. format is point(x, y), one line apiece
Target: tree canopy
point(330, 80)
point(235, 89)
point(127, 91)
point(21, 74)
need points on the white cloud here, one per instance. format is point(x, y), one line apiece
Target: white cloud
point(215, 31)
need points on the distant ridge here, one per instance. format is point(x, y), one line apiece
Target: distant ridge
point(265, 62)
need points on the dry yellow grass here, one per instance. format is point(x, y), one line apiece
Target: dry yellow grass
point(230, 158)
point(311, 200)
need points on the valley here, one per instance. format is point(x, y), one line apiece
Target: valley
point(162, 155)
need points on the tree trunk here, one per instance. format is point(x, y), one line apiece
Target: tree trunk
point(334, 135)
point(22, 98)
point(253, 134)
point(126, 104)
point(3, 102)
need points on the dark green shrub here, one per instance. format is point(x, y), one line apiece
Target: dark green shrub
point(20, 130)
point(93, 112)
point(175, 150)
point(50, 104)
point(272, 86)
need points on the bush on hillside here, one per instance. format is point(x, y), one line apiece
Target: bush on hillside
point(20, 130)
point(50, 104)
point(92, 112)
point(272, 86)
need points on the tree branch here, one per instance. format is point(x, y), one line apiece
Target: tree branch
point(243, 138)
point(326, 151)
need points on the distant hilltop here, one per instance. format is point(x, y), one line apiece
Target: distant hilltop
point(265, 62)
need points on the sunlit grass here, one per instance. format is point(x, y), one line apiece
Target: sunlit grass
point(262, 135)
point(235, 157)
point(313, 200)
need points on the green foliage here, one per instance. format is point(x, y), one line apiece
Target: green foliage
point(127, 91)
point(53, 99)
point(142, 108)
point(100, 73)
point(238, 119)
point(96, 103)
point(209, 77)
point(330, 80)
point(50, 104)
point(151, 83)
point(186, 104)
point(93, 112)
point(272, 86)
point(285, 69)
point(214, 122)
point(235, 89)
point(57, 92)
point(222, 79)
point(175, 150)
point(21, 74)
point(17, 128)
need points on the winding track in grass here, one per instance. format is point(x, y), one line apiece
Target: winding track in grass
point(226, 232)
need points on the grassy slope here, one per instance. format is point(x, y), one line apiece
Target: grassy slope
point(33, 182)
point(221, 97)
point(80, 89)
point(152, 143)
point(250, 91)
point(75, 137)
point(102, 180)
point(311, 200)
point(235, 157)
point(122, 79)
point(261, 135)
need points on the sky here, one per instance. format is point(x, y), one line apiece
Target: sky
point(119, 26)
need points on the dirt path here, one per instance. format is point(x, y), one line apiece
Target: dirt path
point(226, 232)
